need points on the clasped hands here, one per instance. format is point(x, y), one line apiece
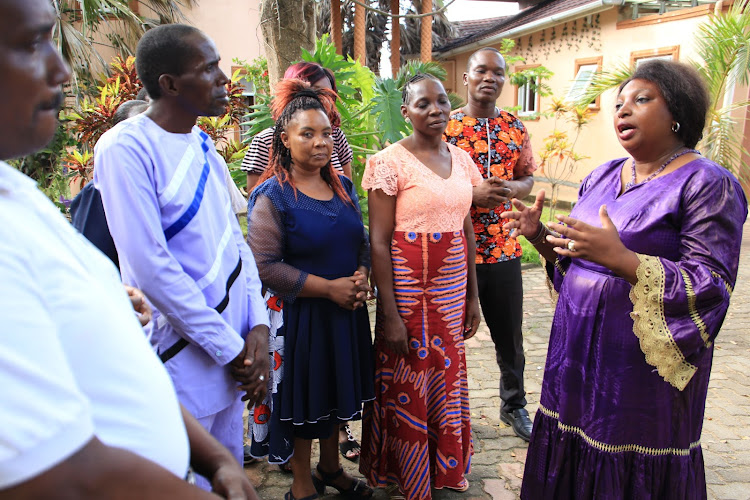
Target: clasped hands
point(350, 292)
point(492, 193)
point(251, 367)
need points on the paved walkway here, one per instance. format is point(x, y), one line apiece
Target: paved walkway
point(497, 466)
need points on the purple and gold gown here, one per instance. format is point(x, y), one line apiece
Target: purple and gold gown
point(627, 371)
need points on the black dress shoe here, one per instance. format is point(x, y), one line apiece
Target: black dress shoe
point(519, 420)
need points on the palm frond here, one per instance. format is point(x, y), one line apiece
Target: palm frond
point(602, 82)
point(78, 21)
point(412, 68)
point(723, 45)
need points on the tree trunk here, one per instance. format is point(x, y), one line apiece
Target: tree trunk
point(395, 39)
point(426, 32)
point(336, 26)
point(360, 34)
point(288, 27)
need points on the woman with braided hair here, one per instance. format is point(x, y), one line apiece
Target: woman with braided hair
point(256, 162)
point(257, 158)
point(312, 251)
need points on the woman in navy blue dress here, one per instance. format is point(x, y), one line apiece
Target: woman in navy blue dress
point(305, 229)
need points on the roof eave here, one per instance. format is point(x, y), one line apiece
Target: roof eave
point(584, 10)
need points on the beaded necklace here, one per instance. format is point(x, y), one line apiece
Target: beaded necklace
point(659, 170)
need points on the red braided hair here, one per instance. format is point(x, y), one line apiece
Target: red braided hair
point(292, 96)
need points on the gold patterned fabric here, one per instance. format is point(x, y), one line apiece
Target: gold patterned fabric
point(650, 324)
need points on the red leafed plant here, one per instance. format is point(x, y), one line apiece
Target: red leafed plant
point(94, 117)
point(80, 166)
point(124, 71)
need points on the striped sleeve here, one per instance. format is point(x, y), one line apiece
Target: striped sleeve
point(340, 144)
point(257, 157)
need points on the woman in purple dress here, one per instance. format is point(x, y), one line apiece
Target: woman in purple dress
point(644, 267)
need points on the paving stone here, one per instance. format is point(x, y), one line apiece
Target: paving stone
point(733, 491)
point(498, 490)
point(512, 473)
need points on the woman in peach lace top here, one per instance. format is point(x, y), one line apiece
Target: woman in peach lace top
point(417, 432)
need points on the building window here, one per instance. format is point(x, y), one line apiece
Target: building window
point(527, 96)
point(450, 76)
point(666, 53)
point(651, 8)
point(585, 69)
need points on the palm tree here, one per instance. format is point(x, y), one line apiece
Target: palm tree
point(377, 28)
point(723, 46)
point(79, 20)
point(411, 38)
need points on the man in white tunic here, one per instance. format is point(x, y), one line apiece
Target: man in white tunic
point(87, 409)
point(163, 188)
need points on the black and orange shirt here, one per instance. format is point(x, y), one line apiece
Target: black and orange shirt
point(500, 147)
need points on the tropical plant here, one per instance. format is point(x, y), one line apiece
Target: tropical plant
point(558, 157)
point(77, 21)
point(44, 166)
point(433, 68)
point(80, 165)
point(723, 47)
point(221, 128)
point(257, 73)
point(723, 44)
point(94, 117)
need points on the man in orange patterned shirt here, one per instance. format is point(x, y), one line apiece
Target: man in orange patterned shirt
point(499, 145)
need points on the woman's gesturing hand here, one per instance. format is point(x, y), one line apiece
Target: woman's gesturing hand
point(524, 221)
point(601, 245)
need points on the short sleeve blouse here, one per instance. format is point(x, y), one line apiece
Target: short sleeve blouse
point(425, 202)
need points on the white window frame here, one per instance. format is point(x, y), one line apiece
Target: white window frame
point(581, 82)
point(528, 99)
point(666, 53)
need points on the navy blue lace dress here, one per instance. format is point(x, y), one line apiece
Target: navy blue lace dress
point(322, 354)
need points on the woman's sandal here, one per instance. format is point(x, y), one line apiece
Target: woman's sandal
point(349, 446)
point(357, 488)
point(288, 496)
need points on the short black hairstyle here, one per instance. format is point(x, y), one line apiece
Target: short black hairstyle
point(142, 95)
point(163, 50)
point(128, 109)
point(406, 91)
point(483, 49)
point(684, 91)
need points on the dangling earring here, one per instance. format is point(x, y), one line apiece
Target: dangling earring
point(676, 127)
point(408, 120)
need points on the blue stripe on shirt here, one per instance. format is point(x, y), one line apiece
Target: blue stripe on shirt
point(185, 218)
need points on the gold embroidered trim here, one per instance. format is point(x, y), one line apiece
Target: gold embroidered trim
point(650, 324)
point(559, 267)
point(692, 309)
point(617, 448)
point(553, 295)
point(726, 285)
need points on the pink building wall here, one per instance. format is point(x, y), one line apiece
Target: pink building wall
point(616, 44)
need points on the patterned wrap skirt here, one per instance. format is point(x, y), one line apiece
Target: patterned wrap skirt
point(417, 432)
